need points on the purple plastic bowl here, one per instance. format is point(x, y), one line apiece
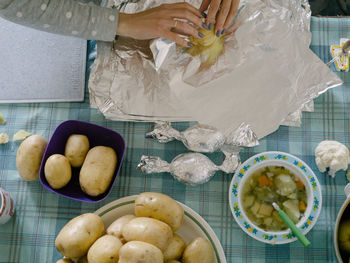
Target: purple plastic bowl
point(97, 135)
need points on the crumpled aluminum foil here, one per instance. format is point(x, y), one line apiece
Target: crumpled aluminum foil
point(196, 168)
point(190, 168)
point(265, 77)
point(204, 138)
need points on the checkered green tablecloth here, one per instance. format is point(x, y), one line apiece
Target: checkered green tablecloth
point(40, 214)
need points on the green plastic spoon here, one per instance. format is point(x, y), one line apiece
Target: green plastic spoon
point(291, 225)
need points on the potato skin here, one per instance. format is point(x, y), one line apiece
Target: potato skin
point(64, 260)
point(138, 251)
point(77, 236)
point(105, 250)
point(115, 229)
point(97, 170)
point(77, 146)
point(175, 248)
point(148, 230)
point(29, 156)
point(161, 207)
point(198, 250)
point(58, 171)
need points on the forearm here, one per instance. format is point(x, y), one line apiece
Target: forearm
point(66, 17)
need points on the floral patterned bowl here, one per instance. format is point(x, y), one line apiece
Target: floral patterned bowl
point(298, 168)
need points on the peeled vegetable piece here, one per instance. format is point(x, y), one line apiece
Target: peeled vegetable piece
point(199, 250)
point(285, 184)
point(175, 248)
point(77, 236)
point(116, 227)
point(138, 251)
point(29, 155)
point(77, 146)
point(58, 171)
point(148, 230)
point(209, 47)
point(161, 207)
point(291, 207)
point(344, 236)
point(105, 250)
point(97, 171)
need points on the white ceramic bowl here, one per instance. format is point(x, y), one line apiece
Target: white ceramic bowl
point(193, 224)
point(298, 168)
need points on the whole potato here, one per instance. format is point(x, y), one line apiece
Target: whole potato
point(64, 260)
point(198, 250)
point(116, 227)
point(138, 251)
point(105, 250)
point(97, 170)
point(175, 248)
point(148, 230)
point(161, 207)
point(77, 236)
point(57, 171)
point(29, 155)
point(76, 149)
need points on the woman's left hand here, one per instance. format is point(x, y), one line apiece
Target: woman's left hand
point(220, 13)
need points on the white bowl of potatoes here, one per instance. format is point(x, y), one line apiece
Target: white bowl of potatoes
point(274, 177)
point(150, 228)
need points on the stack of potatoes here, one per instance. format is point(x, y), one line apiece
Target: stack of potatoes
point(147, 237)
point(97, 165)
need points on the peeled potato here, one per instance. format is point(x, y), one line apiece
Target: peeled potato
point(175, 248)
point(208, 47)
point(115, 229)
point(105, 250)
point(58, 171)
point(198, 250)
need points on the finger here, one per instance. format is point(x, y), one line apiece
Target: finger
point(187, 15)
point(213, 9)
point(232, 13)
point(176, 38)
point(222, 16)
point(186, 30)
point(232, 29)
point(204, 5)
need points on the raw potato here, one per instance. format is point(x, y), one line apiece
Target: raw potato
point(116, 227)
point(77, 236)
point(77, 146)
point(148, 230)
point(57, 171)
point(161, 207)
point(97, 170)
point(29, 155)
point(175, 248)
point(199, 250)
point(208, 47)
point(64, 260)
point(105, 250)
point(138, 251)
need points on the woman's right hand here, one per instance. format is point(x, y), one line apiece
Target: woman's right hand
point(162, 21)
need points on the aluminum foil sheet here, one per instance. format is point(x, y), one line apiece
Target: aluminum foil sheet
point(265, 77)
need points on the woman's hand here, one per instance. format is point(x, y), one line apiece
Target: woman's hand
point(162, 21)
point(220, 13)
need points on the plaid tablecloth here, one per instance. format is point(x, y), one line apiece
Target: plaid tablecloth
point(40, 214)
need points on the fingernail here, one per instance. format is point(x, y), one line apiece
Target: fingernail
point(200, 34)
point(210, 26)
point(218, 33)
point(204, 25)
point(223, 31)
point(204, 14)
point(189, 44)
